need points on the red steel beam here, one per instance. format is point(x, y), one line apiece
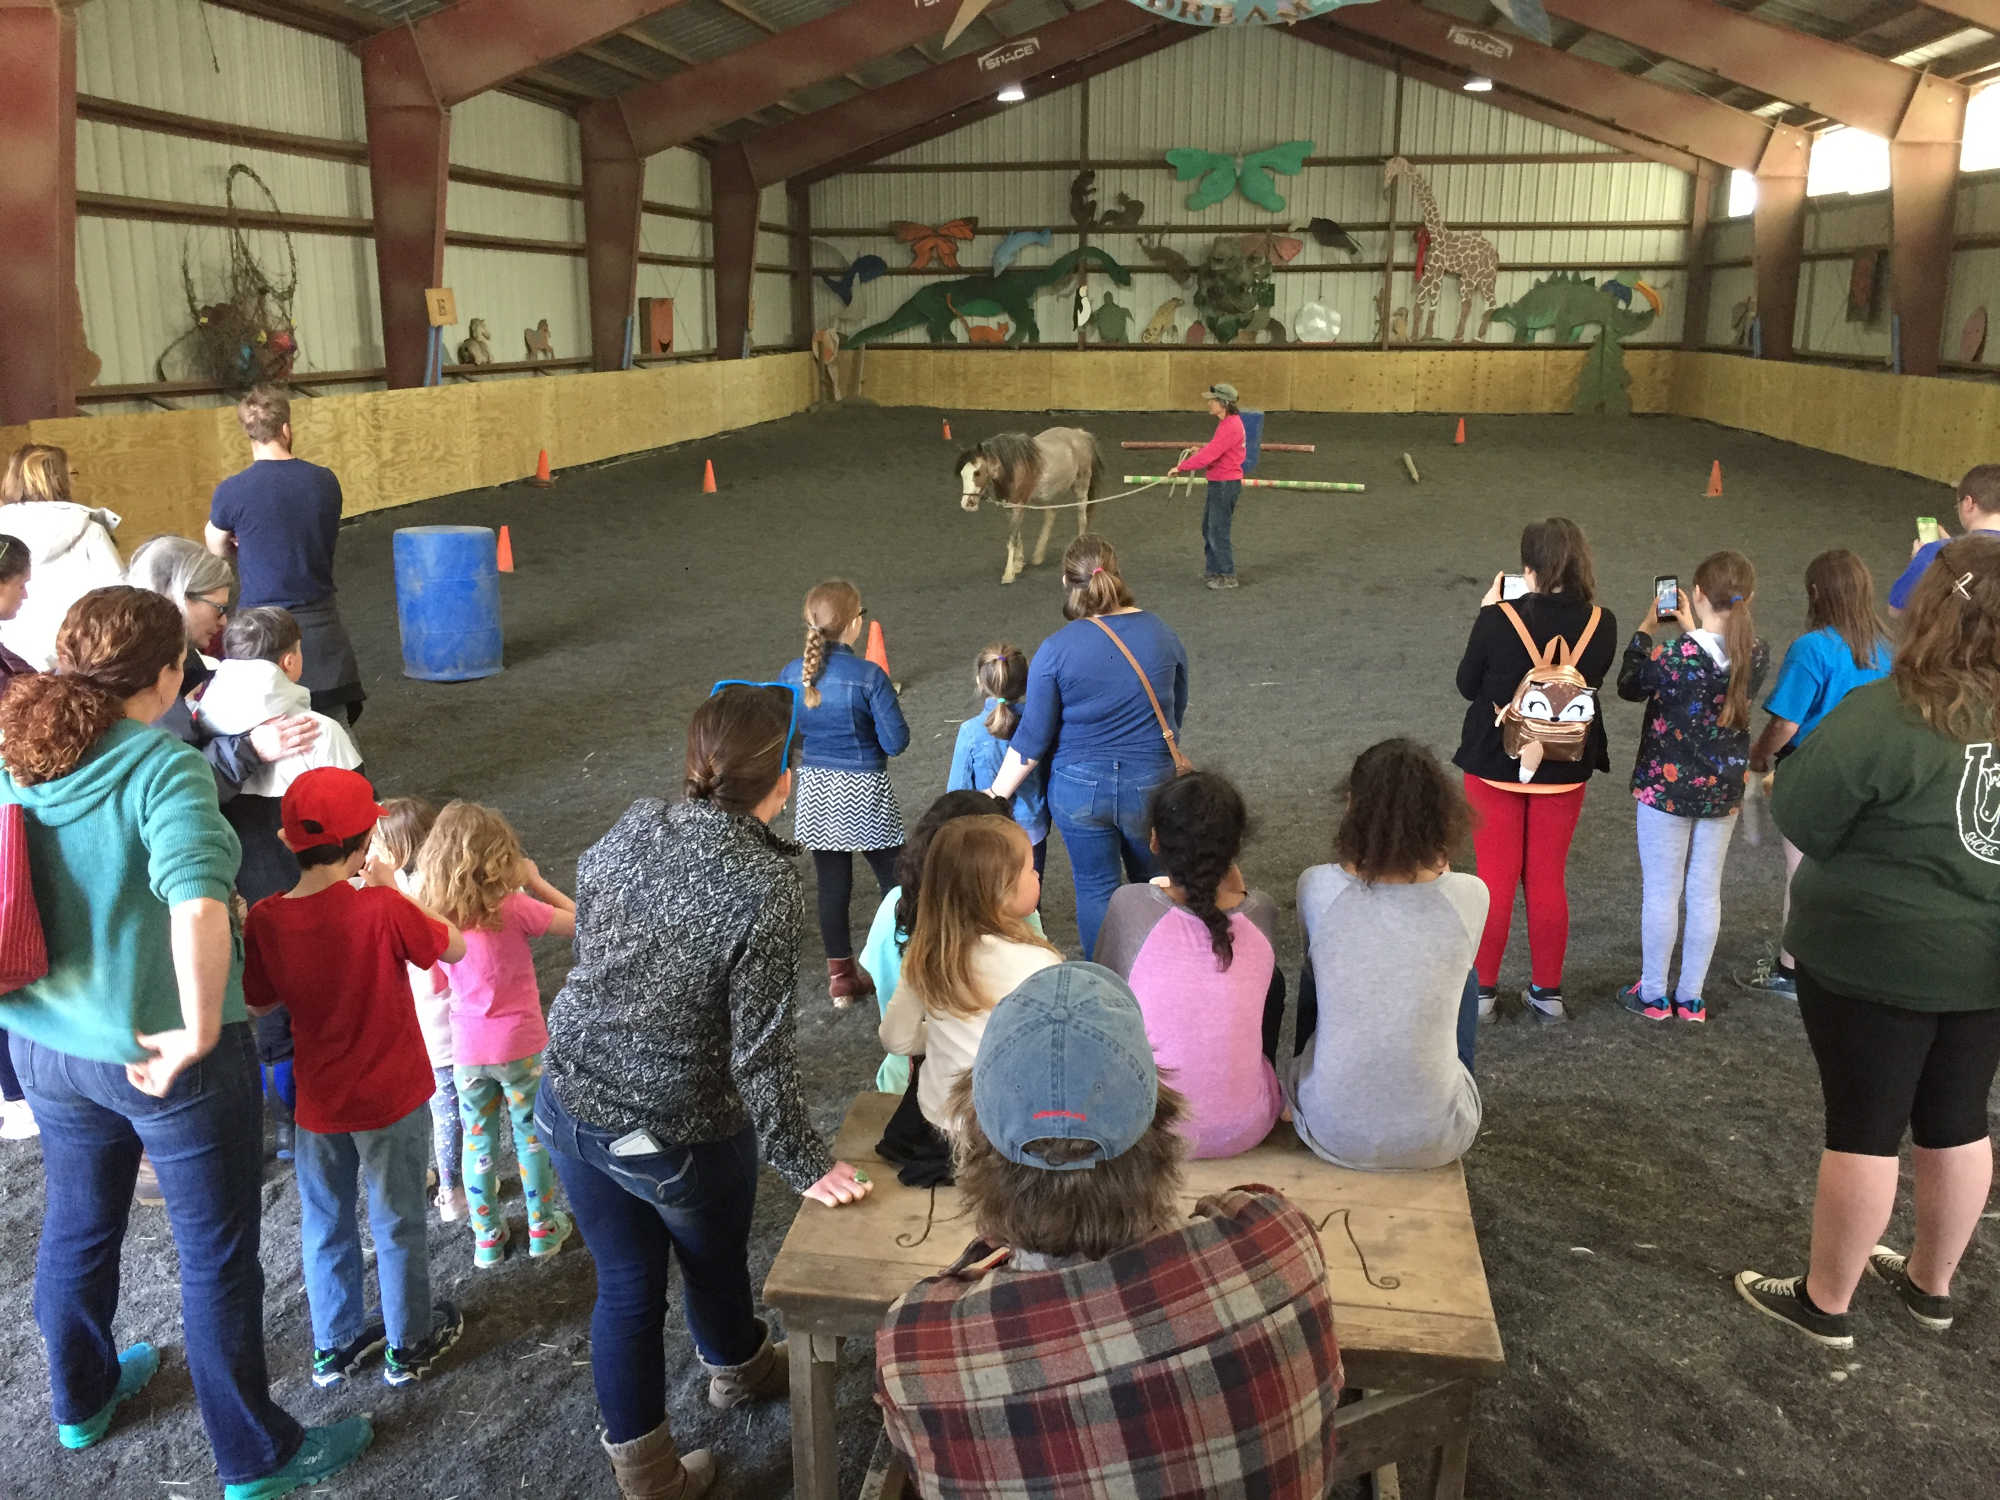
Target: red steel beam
point(1984, 13)
point(1686, 121)
point(1509, 99)
point(38, 210)
point(1778, 227)
point(803, 145)
point(732, 199)
point(614, 183)
point(1701, 207)
point(475, 45)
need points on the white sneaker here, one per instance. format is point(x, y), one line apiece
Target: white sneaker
point(451, 1204)
point(17, 1121)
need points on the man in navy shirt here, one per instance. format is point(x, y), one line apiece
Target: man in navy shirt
point(279, 521)
point(1978, 514)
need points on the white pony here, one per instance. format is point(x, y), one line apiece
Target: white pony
point(1057, 466)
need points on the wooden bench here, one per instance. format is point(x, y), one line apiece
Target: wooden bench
point(1410, 1304)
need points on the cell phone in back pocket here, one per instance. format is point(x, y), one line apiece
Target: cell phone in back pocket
point(636, 1143)
point(1667, 596)
point(1513, 585)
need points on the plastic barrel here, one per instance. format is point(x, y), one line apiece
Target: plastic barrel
point(448, 602)
point(1253, 439)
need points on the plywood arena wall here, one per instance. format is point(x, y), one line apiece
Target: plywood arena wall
point(393, 447)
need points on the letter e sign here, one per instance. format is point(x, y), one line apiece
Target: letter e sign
point(441, 305)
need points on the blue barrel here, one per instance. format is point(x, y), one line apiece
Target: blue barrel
point(1253, 439)
point(448, 602)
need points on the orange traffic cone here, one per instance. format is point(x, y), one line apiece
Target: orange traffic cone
point(708, 477)
point(878, 648)
point(1715, 479)
point(541, 477)
point(947, 429)
point(506, 551)
point(1461, 431)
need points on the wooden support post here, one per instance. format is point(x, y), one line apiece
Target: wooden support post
point(614, 187)
point(815, 1362)
point(1701, 205)
point(732, 200)
point(798, 204)
point(38, 210)
point(1923, 185)
point(409, 157)
point(1779, 227)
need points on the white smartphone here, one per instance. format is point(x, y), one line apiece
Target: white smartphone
point(1667, 596)
point(1513, 585)
point(636, 1143)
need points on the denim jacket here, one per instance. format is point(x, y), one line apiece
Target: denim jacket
point(858, 724)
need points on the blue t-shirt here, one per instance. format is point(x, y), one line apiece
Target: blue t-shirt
point(1818, 672)
point(976, 758)
point(1906, 584)
point(1084, 701)
point(285, 514)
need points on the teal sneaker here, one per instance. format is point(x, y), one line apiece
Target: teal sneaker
point(136, 1366)
point(324, 1453)
point(552, 1236)
point(489, 1250)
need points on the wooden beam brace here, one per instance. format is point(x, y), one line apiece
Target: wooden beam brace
point(1674, 117)
point(409, 159)
point(1701, 204)
point(614, 195)
point(732, 197)
point(1841, 82)
point(1923, 189)
point(803, 146)
point(38, 210)
point(474, 45)
point(798, 213)
point(1779, 230)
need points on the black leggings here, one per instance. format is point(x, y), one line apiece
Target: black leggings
point(834, 870)
point(1882, 1067)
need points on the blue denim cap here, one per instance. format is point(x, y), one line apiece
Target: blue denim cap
point(1066, 1055)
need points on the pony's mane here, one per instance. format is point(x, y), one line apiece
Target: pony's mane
point(1020, 464)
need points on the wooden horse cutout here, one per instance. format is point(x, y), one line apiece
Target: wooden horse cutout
point(1451, 252)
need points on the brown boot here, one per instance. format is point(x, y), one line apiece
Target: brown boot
point(652, 1468)
point(765, 1374)
point(847, 982)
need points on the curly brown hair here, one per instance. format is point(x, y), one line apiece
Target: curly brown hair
point(1948, 664)
point(468, 865)
point(831, 607)
point(1404, 814)
point(114, 644)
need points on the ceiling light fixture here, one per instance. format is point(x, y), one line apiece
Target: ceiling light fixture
point(1478, 83)
point(1013, 93)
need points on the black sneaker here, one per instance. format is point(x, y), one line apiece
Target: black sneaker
point(332, 1366)
point(1545, 1005)
point(1933, 1312)
point(1784, 1298)
point(408, 1366)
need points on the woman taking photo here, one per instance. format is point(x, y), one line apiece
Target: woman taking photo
point(671, 1060)
point(1106, 695)
point(1526, 814)
point(137, 1039)
point(1895, 803)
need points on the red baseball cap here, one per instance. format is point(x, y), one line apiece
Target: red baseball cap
point(328, 806)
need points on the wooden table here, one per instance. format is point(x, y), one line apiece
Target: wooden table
point(1410, 1305)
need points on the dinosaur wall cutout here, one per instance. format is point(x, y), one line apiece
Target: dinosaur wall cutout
point(1010, 295)
point(1568, 304)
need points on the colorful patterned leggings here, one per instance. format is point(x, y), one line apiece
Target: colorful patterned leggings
point(480, 1089)
point(447, 1137)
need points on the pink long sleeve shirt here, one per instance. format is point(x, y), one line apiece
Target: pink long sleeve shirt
point(1222, 456)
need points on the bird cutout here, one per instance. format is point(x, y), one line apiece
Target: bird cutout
point(1330, 236)
point(1080, 308)
point(858, 272)
point(1126, 215)
point(1621, 287)
point(1015, 243)
point(1277, 248)
point(1083, 198)
point(1160, 328)
point(934, 246)
point(1249, 175)
point(1526, 14)
point(1171, 261)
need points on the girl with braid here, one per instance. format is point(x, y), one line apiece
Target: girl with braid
point(851, 725)
point(1197, 945)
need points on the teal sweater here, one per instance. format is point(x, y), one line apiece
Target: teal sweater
point(131, 832)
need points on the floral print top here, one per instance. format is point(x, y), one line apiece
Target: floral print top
point(1688, 765)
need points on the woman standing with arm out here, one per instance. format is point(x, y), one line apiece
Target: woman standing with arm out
point(671, 1059)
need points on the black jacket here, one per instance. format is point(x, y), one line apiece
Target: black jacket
point(1494, 663)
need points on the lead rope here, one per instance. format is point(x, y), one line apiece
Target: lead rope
point(1176, 484)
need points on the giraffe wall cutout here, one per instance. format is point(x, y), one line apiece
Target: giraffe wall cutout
point(1451, 252)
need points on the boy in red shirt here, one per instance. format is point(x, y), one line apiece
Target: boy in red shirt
point(334, 956)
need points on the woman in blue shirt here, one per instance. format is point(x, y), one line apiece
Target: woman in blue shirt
point(1088, 714)
point(1843, 647)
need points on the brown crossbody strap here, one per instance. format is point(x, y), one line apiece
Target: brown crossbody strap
point(1182, 765)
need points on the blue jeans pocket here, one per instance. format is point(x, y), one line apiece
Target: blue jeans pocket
point(668, 1177)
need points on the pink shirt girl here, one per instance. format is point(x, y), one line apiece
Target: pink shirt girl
point(496, 1004)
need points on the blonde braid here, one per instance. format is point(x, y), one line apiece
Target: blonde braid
point(815, 663)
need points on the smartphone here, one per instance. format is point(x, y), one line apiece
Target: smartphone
point(1513, 585)
point(636, 1143)
point(1928, 529)
point(1667, 596)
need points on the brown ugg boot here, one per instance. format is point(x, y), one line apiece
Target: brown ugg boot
point(765, 1374)
point(847, 982)
point(653, 1468)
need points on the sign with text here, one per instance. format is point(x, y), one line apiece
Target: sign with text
point(1483, 42)
point(441, 305)
point(1009, 52)
point(1243, 12)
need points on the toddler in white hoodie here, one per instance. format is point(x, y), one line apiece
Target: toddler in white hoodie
point(259, 680)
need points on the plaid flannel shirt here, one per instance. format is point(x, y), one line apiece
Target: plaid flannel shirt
point(1200, 1362)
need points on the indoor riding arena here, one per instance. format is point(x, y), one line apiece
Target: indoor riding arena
point(798, 286)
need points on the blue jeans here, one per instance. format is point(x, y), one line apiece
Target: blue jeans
point(393, 1160)
point(10, 1086)
point(207, 1150)
point(1220, 510)
point(690, 1203)
point(1099, 806)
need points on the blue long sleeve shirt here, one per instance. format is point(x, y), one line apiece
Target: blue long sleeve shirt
point(976, 759)
point(858, 724)
point(1084, 702)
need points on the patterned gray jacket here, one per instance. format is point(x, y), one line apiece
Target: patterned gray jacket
point(677, 1017)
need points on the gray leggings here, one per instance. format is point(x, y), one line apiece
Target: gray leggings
point(1677, 854)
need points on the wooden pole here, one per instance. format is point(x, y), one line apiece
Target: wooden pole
point(1253, 484)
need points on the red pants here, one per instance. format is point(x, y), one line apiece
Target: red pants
point(1524, 836)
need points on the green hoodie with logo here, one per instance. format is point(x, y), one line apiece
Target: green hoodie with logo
point(1898, 900)
point(133, 831)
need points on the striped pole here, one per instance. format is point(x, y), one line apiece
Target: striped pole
point(1267, 447)
point(1254, 484)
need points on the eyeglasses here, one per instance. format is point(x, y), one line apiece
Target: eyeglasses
point(791, 729)
point(221, 609)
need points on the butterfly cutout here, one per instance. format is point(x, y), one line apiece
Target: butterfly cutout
point(1252, 178)
point(934, 246)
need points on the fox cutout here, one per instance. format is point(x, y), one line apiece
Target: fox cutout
point(1550, 714)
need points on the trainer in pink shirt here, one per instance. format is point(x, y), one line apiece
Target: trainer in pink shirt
point(1221, 457)
point(496, 1005)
